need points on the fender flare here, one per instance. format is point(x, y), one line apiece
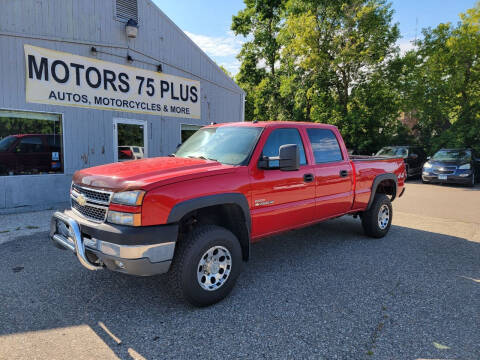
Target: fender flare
point(187, 206)
point(378, 179)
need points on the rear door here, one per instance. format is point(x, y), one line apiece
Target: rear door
point(282, 200)
point(333, 174)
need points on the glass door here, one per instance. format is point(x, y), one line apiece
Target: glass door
point(129, 139)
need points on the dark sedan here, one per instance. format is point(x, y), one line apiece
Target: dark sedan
point(452, 166)
point(413, 156)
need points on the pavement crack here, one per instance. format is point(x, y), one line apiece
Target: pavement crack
point(380, 324)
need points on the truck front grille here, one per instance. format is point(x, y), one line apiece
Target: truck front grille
point(93, 195)
point(96, 214)
point(90, 203)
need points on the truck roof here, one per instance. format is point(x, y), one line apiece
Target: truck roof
point(269, 124)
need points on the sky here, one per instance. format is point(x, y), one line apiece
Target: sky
point(207, 22)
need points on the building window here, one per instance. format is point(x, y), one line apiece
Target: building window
point(30, 143)
point(126, 10)
point(188, 130)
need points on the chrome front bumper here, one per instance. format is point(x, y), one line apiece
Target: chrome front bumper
point(143, 260)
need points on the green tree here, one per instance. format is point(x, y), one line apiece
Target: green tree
point(259, 22)
point(443, 83)
point(338, 64)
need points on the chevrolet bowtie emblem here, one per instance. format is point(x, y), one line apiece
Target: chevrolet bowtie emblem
point(81, 200)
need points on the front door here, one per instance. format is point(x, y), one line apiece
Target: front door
point(282, 199)
point(129, 139)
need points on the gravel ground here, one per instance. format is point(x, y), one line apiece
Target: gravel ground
point(13, 226)
point(326, 291)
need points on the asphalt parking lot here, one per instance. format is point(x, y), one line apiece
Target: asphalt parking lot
point(326, 291)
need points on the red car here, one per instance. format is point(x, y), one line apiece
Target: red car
point(30, 154)
point(194, 214)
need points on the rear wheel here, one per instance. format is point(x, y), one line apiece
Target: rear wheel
point(206, 265)
point(377, 220)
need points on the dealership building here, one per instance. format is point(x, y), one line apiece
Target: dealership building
point(90, 82)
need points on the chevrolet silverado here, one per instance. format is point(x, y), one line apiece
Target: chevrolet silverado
point(195, 213)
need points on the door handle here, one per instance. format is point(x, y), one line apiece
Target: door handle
point(343, 173)
point(308, 177)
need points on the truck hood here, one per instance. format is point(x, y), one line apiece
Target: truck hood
point(147, 173)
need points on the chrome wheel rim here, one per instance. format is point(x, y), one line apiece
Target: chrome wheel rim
point(214, 268)
point(383, 217)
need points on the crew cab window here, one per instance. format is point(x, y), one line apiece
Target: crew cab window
point(324, 145)
point(280, 137)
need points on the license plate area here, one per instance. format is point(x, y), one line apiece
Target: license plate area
point(442, 177)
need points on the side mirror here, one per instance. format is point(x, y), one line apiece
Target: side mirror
point(288, 159)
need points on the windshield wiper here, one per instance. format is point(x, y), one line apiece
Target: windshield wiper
point(172, 155)
point(201, 157)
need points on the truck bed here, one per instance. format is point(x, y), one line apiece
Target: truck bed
point(367, 168)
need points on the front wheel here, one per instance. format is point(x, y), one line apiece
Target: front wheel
point(472, 182)
point(206, 265)
point(377, 220)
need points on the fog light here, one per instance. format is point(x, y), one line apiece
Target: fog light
point(463, 175)
point(119, 264)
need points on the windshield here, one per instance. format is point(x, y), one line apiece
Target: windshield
point(230, 145)
point(392, 151)
point(453, 155)
point(6, 143)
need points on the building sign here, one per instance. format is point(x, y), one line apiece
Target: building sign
point(58, 78)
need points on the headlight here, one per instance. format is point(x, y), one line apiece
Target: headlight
point(132, 198)
point(464, 167)
point(121, 218)
point(427, 165)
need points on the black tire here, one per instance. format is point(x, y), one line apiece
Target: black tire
point(183, 271)
point(370, 218)
point(472, 182)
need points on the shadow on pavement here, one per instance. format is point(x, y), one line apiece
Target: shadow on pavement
point(320, 291)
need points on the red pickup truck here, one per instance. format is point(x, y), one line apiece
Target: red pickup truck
point(195, 213)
